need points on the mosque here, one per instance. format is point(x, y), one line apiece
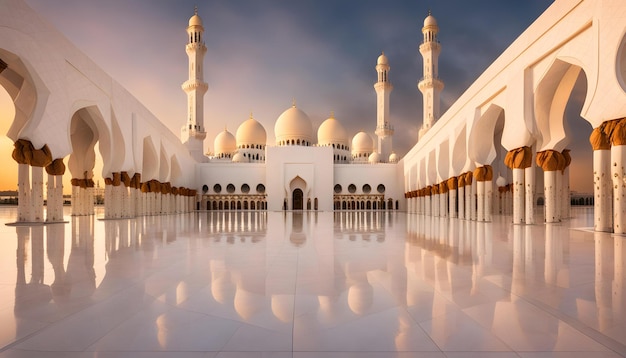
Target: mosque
point(303, 169)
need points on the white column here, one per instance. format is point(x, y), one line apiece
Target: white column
point(480, 193)
point(550, 192)
point(452, 195)
point(443, 204)
point(518, 196)
point(488, 200)
point(23, 192)
point(474, 192)
point(461, 195)
point(559, 194)
point(427, 205)
point(436, 201)
point(529, 192)
point(468, 201)
point(108, 200)
point(603, 194)
point(565, 206)
point(37, 194)
point(618, 154)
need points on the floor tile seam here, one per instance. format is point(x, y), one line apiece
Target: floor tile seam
point(589, 332)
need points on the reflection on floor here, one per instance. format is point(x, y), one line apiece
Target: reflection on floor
point(307, 284)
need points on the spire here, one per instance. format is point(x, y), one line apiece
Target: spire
point(195, 10)
point(293, 102)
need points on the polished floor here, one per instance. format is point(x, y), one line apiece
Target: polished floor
point(304, 285)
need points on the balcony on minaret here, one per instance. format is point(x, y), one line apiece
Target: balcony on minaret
point(384, 130)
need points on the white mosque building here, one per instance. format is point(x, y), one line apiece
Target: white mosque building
point(304, 169)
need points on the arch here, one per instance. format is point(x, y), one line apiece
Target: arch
point(297, 183)
point(459, 152)
point(25, 89)
point(84, 133)
point(297, 201)
point(551, 97)
point(481, 145)
point(150, 162)
point(443, 160)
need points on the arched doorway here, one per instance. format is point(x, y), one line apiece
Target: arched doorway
point(297, 199)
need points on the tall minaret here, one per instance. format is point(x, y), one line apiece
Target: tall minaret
point(193, 134)
point(383, 88)
point(430, 85)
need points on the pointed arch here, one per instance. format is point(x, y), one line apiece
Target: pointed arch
point(481, 144)
point(150, 163)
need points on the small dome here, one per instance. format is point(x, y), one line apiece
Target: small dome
point(430, 21)
point(393, 157)
point(500, 181)
point(382, 60)
point(362, 143)
point(239, 158)
point(293, 124)
point(331, 131)
point(224, 143)
point(374, 158)
point(195, 20)
point(251, 132)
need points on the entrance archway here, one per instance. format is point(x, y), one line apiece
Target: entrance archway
point(297, 199)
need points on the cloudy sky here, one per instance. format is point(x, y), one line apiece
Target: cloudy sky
point(263, 54)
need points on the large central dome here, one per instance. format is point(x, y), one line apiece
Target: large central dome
point(293, 127)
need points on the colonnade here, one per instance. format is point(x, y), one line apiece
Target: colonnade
point(125, 197)
point(468, 196)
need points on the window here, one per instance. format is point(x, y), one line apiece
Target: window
point(352, 188)
point(245, 188)
point(260, 188)
point(230, 188)
point(380, 188)
point(205, 188)
point(217, 188)
point(367, 188)
point(338, 188)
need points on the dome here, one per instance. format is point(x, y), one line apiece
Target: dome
point(251, 132)
point(331, 131)
point(362, 143)
point(195, 20)
point(430, 21)
point(239, 158)
point(382, 59)
point(225, 143)
point(500, 181)
point(293, 124)
point(393, 157)
point(374, 158)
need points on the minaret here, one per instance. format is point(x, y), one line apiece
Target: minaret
point(430, 85)
point(383, 88)
point(193, 134)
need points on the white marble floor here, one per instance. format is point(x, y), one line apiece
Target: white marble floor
point(304, 285)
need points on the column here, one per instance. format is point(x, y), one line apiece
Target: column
point(461, 195)
point(529, 193)
point(468, 195)
point(108, 198)
point(427, 200)
point(443, 199)
point(55, 170)
point(451, 184)
point(550, 161)
point(602, 187)
point(566, 204)
point(518, 160)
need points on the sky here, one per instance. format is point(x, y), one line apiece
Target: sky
point(264, 54)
